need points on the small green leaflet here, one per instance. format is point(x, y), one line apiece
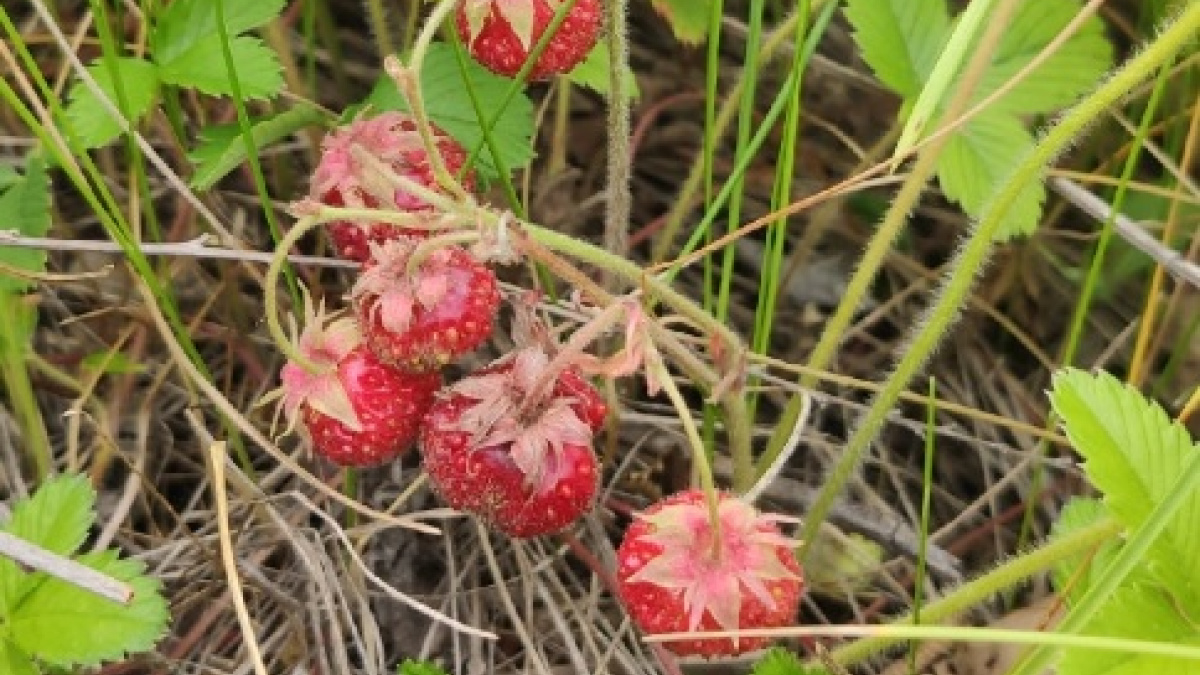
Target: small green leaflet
point(203, 67)
point(779, 661)
point(411, 667)
point(186, 51)
point(448, 104)
point(979, 157)
point(1140, 613)
point(90, 120)
point(902, 41)
point(688, 18)
point(1134, 454)
point(185, 23)
point(55, 622)
point(222, 149)
point(593, 73)
point(24, 207)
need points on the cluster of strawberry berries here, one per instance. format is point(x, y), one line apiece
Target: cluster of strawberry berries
point(511, 442)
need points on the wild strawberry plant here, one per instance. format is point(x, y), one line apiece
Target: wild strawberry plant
point(47, 623)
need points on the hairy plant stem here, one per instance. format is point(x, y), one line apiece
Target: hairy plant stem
point(1005, 576)
point(270, 295)
point(616, 215)
point(380, 27)
point(973, 254)
point(428, 247)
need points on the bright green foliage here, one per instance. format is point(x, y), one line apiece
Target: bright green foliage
point(979, 156)
point(24, 207)
point(1134, 454)
point(186, 52)
point(779, 661)
point(901, 40)
point(448, 104)
point(44, 620)
point(688, 18)
point(222, 148)
point(90, 120)
point(411, 667)
point(593, 73)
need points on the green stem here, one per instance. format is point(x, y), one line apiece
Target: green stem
point(15, 377)
point(659, 372)
point(973, 254)
point(270, 296)
point(1008, 575)
point(428, 247)
point(619, 197)
point(260, 181)
point(379, 26)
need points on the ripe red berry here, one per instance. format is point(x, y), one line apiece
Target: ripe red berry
point(674, 576)
point(423, 318)
point(343, 178)
point(501, 33)
point(512, 451)
point(356, 410)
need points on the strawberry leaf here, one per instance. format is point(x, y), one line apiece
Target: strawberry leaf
point(449, 105)
point(222, 149)
point(185, 23)
point(91, 121)
point(202, 66)
point(411, 667)
point(64, 625)
point(1134, 454)
point(25, 208)
point(688, 18)
point(779, 661)
point(13, 661)
point(978, 157)
point(1074, 576)
point(900, 39)
point(57, 518)
point(1138, 612)
point(1057, 82)
point(593, 73)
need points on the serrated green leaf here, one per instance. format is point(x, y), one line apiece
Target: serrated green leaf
point(900, 39)
point(184, 23)
point(688, 18)
point(593, 73)
point(978, 157)
point(90, 120)
point(1074, 576)
point(1134, 454)
point(411, 667)
point(1136, 612)
point(25, 207)
point(779, 661)
point(13, 661)
point(66, 626)
point(56, 517)
point(203, 67)
point(221, 149)
point(1062, 78)
point(449, 106)
point(8, 177)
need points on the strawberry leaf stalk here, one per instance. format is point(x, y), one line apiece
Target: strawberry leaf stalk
point(676, 574)
point(355, 410)
point(349, 174)
point(513, 451)
point(500, 34)
point(421, 309)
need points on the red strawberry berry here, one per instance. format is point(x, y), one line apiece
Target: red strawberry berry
point(356, 410)
point(343, 179)
point(501, 33)
point(513, 450)
point(674, 577)
point(424, 318)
